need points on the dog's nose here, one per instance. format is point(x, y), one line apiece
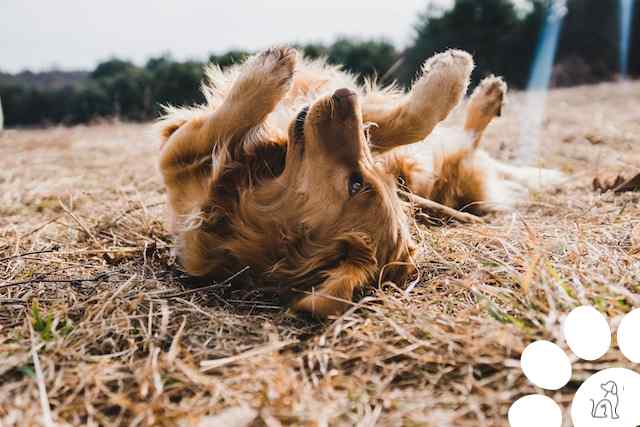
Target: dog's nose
point(345, 103)
point(344, 93)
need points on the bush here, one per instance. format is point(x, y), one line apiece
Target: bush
point(502, 37)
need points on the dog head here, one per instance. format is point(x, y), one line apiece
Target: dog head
point(610, 388)
point(347, 201)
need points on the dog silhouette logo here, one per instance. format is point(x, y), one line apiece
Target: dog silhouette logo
point(607, 407)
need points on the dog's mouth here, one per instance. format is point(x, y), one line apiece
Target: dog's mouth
point(298, 129)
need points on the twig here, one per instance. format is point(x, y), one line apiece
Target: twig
point(96, 278)
point(107, 251)
point(204, 288)
point(207, 365)
point(12, 301)
point(44, 251)
point(34, 230)
point(127, 212)
point(632, 184)
point(440, 210)
point(42, 388)
point(77, 220)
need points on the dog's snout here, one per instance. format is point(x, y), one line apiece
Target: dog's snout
point(344, 93)
point(345, 102)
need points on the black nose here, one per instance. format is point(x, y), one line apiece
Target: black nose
point(345, 102)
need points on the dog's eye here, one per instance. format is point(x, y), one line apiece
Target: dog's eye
point(356, 183)
point(300, 119)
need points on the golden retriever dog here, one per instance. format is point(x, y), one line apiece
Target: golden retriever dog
point(295, 170)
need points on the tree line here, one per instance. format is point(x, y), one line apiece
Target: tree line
point(502, 36)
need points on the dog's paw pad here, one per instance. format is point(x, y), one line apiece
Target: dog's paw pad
point(535, 410)
point(629, 336)
point(444, 81)
point(605, 398)
point(587, 333)
point(276, 65)
point(608, 397)
point(280, 57)
point(453, 61)
point(546, 365)
point(489, 97)
point(447, 72)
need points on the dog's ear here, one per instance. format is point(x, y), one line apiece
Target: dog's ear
point(334, 295)
point(610, 387)
point(356, 268)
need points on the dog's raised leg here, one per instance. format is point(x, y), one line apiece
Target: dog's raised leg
point(463, 172)
point(186, 158)
point(485, 104)
point(261, 84)
point(439, 89)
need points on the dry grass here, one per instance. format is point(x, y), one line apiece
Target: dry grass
point(88, 331)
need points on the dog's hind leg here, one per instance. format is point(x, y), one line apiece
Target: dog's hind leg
point(465, 176)
point(411, 118)
point(452, 171)
point(485, 104)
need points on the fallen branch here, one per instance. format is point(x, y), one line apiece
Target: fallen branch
point(440, 210)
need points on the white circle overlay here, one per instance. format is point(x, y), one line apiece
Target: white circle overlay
point(535, 410)
point(546, 365)
point(608, 398)
point(629, 336)
point(587, 333)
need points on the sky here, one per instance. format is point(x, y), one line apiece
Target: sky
point(77, 34)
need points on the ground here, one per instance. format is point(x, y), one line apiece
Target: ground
point(95, 323)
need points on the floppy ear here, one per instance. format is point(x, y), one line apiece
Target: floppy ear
point(610, 387)
point(334, 294)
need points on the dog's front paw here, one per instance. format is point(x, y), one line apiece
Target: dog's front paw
point(444, 81)
point(275, 67)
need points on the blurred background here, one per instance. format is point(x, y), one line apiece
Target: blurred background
point(78, 62)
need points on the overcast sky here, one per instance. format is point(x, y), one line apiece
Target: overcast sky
point(76, 34)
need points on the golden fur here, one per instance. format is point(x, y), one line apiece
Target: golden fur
point(309, 199)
